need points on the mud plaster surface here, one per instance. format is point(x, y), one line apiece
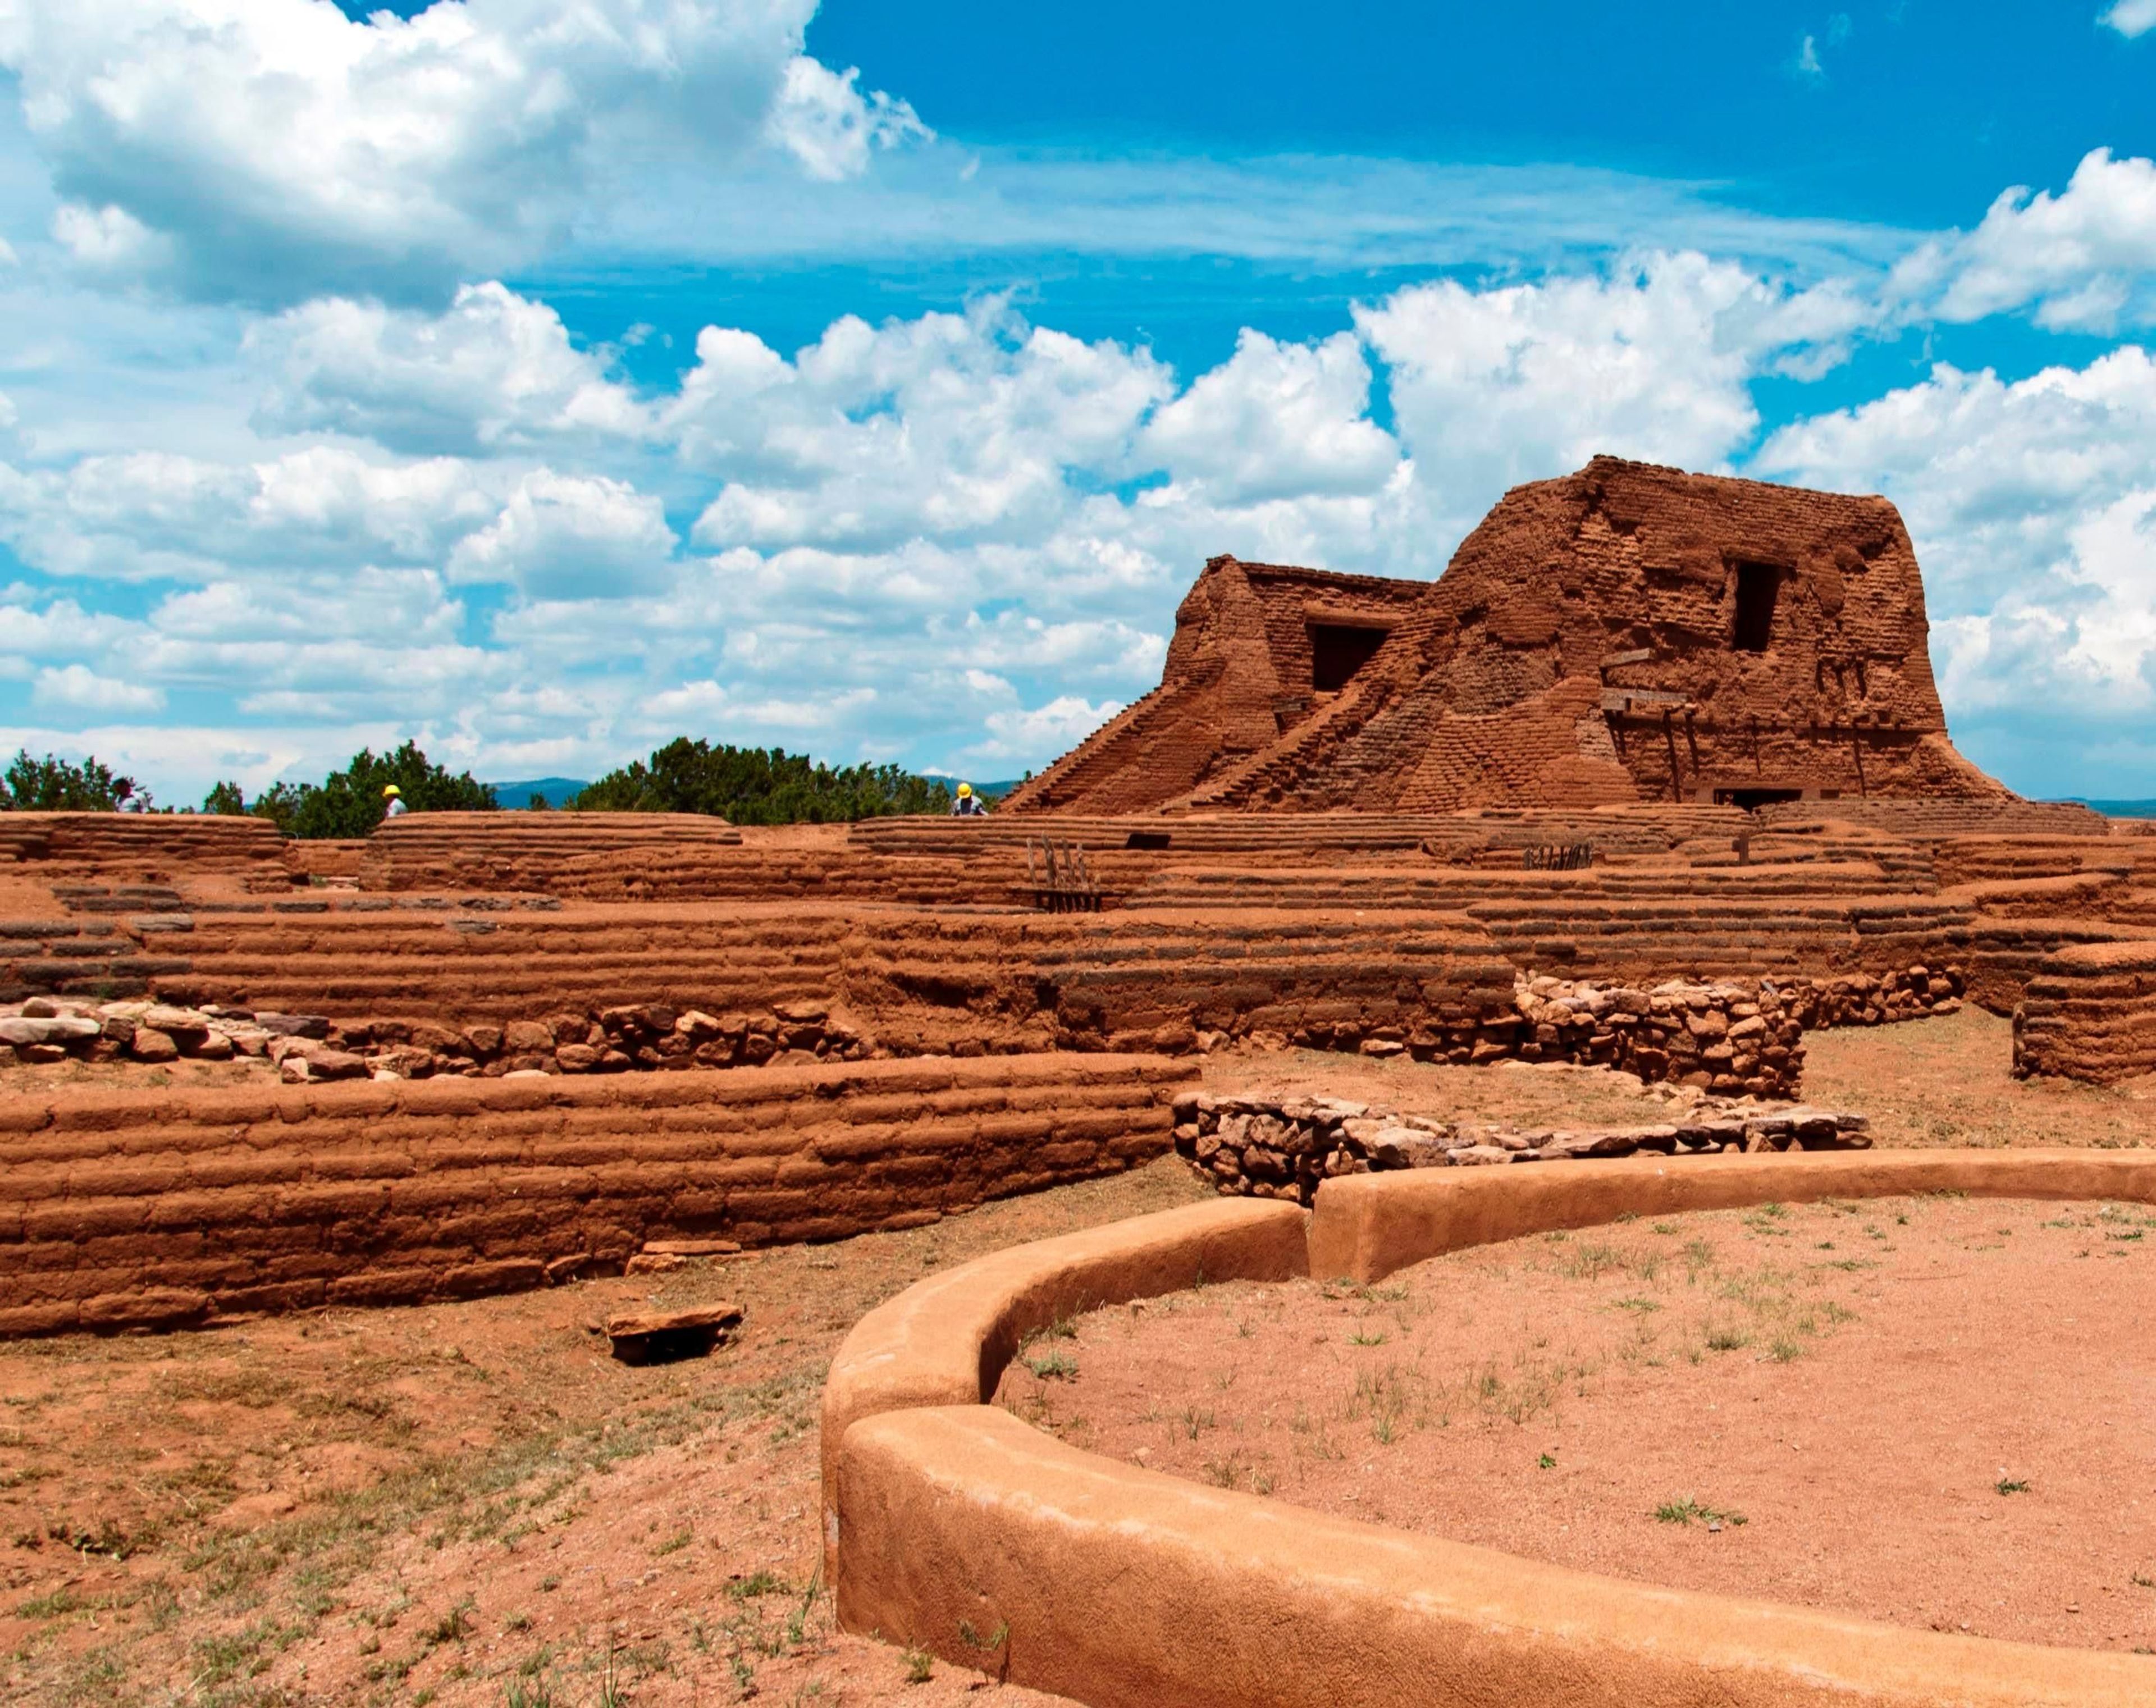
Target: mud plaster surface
point(1933, 1412)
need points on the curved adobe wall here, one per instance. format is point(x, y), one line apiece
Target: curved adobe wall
point(956, 1528)
point(945, 1341)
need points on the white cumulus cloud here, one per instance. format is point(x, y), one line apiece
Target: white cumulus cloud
point(2084, 259)
point(1653, 360)
point(78, 688)
point(1276, 421)
point(497, 372)
point(262, 149)
point(572, 536)
point(823, 120)
point(951, 427)
point(2131, 18)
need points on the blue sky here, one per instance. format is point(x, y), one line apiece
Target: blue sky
point(543, 381)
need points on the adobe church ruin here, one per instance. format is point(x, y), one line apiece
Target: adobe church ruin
point(1626, 633)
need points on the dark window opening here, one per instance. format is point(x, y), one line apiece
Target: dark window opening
point(1338, 651)
point(1758, 584)
point(1152, 840)
point(1751, 800)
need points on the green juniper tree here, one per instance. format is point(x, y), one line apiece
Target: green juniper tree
point(752, 786)
point(348, 802)
point(52, 785)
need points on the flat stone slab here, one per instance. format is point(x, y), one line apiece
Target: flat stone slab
point(61, 1029)
point(662, 1337)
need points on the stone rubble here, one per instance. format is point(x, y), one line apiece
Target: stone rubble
point(1287, 1147)
point(308, 1048)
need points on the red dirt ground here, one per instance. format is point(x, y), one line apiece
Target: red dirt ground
point(291, 1511)
point(1923, 1410)
point(465, 1503)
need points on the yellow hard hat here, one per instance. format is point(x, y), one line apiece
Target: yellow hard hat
point(965, 788)
point(392, 790)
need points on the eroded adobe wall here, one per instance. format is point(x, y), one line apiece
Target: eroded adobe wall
point(1239, 674)
point(1626, 633)
point(119, 1209)
point(513, 851)
point(1597, 618)
point(143, 847)
point(2089, 1012)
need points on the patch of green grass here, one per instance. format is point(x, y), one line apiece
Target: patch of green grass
point(674, 1544)
point(1363, 1338)
point(1546, 1461)
point(2012, 1486)
point(920, 1666)
point(1685, 1510)
point(1721, 1337)
point(1053, 1367)
point(988, 1645)
point(757, 1584)
point(453, 1627)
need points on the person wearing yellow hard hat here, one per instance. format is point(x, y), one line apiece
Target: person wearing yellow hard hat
point(393, 805)
point(967, 805)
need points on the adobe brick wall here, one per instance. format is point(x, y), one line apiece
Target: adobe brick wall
point(2090, 1013)
point(506, 850)
point(119, 1209)
point(1580, 648)
point(155, 846)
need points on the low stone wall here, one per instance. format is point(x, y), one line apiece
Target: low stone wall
point(1878, 999)
point(122, 1209)
point(645, 1036)
point(2090, 1013)
point(1727, 1037)
point(1288, 1147)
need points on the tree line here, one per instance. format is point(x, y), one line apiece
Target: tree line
point(746, 785)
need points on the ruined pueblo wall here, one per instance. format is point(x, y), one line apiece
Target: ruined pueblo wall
point(1626, 633)
point(522, 850)
point(119, 1209)
point(1240, 670)
point(2090, 1013)
point(143, 847)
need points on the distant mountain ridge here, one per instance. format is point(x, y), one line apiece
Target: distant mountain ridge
point(556, 791)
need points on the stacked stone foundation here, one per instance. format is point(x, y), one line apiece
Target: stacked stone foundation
point(1288, 1147)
